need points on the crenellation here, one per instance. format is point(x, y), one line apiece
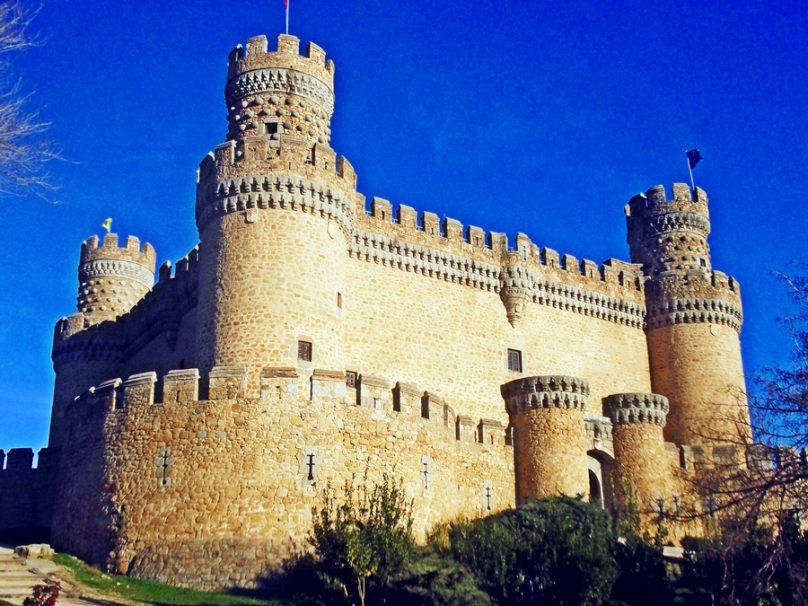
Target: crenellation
point(315, 54)
point(498, 242)
point(180, 386)
point(227, 383)
point(636, 408)
point(374, 392)
point(475, 236)
point(407, 398)
point(491, 431)
point(329, 385)
point(407, 217)
point(465, 430)
point(106, 395)
point(550, 258)
point(432, 407)
point(381, 209)
point(570, 264)
point(430, 224)
point(453, 229)
point(138, 390)
point(19, 460)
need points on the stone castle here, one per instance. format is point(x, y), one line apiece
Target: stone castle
point(312, 337)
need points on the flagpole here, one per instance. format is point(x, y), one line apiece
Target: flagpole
point(690, 171)
point(287, 17)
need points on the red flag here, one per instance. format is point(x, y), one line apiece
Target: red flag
point(286, 3)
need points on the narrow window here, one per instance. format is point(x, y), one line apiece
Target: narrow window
point(339, 300)
point(515, 360)
point(304, 351)
point(350, 378)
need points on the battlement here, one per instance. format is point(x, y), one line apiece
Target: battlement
point(280, 191)
point(655, 201)
point(381, 397)
point(624, 408)
point(185, 267)
point(693, 297)
point(404, 221)
point(93, 249)
point(287, 54)
point(21, 460)
point(552, 391)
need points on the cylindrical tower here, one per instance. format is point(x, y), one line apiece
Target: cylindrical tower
point(112, 279)
point(693, 318)
point(642, 479)
point(274, 209)
point(549, 435)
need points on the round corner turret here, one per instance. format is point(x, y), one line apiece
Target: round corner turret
point(113, 278)
point(547, 416)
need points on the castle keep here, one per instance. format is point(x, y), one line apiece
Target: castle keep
point(312, 336)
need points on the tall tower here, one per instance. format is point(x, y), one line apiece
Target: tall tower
point(274, 209)
point(693, 318)
point(112, 279)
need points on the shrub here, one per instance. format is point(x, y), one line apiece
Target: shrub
point(557, 551)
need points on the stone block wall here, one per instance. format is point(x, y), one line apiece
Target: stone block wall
point(212, 493)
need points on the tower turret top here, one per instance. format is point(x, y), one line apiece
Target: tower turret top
point(113, 278)
point(669, 234)
point(280, 92)
point(287, 55)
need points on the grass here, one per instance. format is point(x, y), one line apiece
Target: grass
point(143, 590)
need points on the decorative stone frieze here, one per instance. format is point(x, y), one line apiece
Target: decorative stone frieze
point(636, 408)
point(555, 391)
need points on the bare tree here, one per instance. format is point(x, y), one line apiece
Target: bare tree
point(24, 153)
point(759, 497)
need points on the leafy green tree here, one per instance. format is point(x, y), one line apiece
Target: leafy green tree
point(363, 539)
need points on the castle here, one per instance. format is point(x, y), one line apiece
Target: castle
point(312, 337)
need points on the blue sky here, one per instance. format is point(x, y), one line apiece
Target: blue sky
point(526, 116)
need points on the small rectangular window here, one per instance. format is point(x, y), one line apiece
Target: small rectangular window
point(515, 360)
point(350, 378)
point(304, 351)
point(271, 128)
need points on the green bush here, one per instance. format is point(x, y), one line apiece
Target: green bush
point(557, 551)
point(643, 578)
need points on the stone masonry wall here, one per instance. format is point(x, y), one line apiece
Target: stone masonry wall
point(213, 493)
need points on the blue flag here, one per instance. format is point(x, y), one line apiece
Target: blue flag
point(693, 157)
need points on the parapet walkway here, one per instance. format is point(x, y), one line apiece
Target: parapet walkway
point(19, 575)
